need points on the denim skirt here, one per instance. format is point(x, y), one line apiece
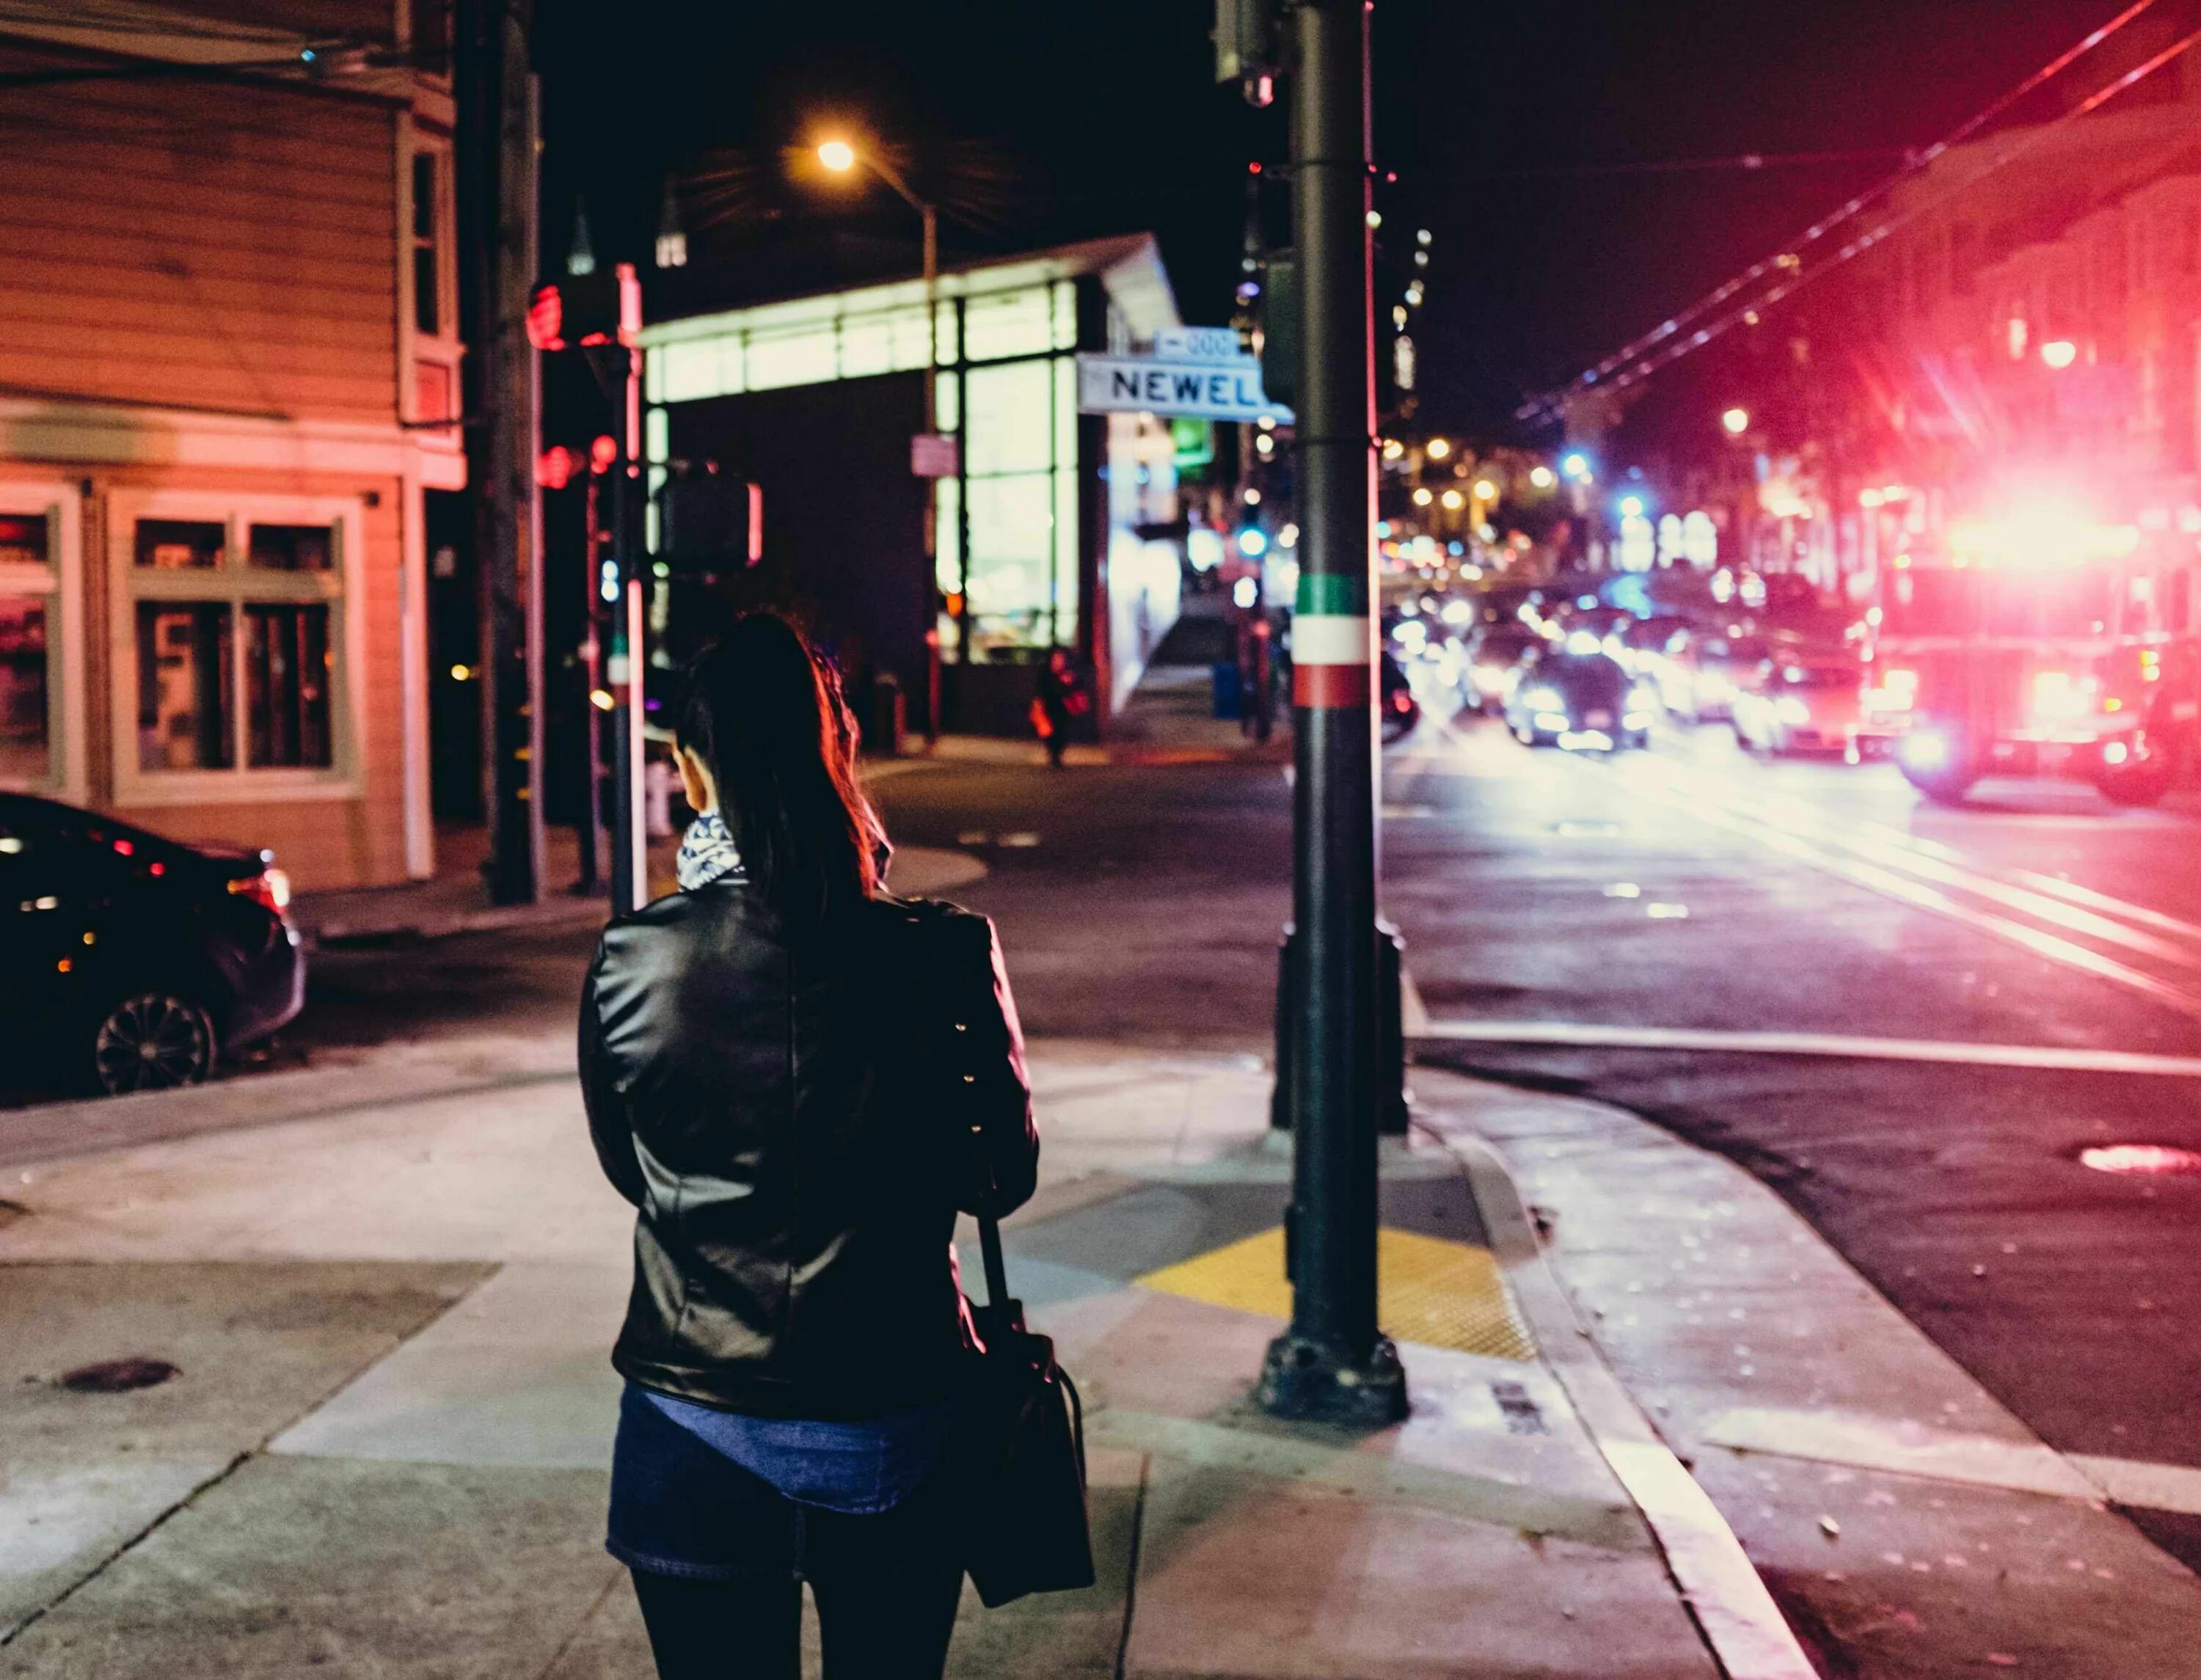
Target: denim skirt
point(680, 1507)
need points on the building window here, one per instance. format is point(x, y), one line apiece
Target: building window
point(428, 310)
point(28, 600)
point(235, 648)
point(186, 711)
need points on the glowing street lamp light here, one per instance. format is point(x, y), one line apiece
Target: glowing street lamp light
point(1485, 490)
point(838, 156)
point(1454, 499)
point(1736, 420)
point(1631, 507)
point(1437, 448)
point(1542, 477)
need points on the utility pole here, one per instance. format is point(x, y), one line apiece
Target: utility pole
point(497, 121)
point(1333, 1363)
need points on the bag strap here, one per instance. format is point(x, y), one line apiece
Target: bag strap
point(997, 1274)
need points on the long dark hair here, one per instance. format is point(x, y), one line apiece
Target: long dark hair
point(764, 711)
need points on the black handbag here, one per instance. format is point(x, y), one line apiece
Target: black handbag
point(1020, 1427)
point(1026, 1529)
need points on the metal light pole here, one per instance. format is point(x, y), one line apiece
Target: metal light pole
point(1333, 1363)
point(841, 156)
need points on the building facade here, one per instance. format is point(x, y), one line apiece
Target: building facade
point(1056, 529)
point(228, 382)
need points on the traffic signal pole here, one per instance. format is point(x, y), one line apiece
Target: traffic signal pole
point(1333, 1363)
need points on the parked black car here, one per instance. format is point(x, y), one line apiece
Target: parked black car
point(131, 962)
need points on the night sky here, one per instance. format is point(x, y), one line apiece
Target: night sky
point(1501, 120)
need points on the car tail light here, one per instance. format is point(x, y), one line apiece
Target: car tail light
point(270, 889)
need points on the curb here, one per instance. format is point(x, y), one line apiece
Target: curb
point(566, 912)
point(1741, 1625)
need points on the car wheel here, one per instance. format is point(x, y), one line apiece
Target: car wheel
point(153, 1041)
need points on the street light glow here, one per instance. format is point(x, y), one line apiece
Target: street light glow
point(1437, 448)
point(838, 156)
point(1736, 420)
point(1542, 477)
point(1485, 490)
point(1631, 507)
point(2059, 353)
point(1575, 467)
point(1454, 499)
point(1423, 497)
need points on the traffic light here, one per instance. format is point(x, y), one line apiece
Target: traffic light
point(1246, 47)
point(705, 520)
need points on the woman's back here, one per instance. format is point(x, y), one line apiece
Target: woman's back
point(780, 1103)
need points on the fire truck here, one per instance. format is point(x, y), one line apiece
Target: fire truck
point(2045, 645)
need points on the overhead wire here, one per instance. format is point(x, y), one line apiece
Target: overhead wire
point(1673, 352)
point(1847, 211)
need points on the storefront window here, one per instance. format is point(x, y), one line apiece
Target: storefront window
point(237, 626)
point(177, 545)
point(25, 750)
point(286, 685)
point(184, 701)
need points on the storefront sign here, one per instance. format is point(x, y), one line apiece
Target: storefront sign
point(1211, 389)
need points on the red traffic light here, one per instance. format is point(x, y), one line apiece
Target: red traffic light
point(546, 319)
point(553, 470)
point(603, 450)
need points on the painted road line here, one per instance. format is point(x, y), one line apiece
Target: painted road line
point(1938, 865)
point(1902, 1448)
point(1894, 885)
point(1591, 1036)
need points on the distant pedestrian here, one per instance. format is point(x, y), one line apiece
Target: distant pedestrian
point(764, 1083)
point(1060, 698)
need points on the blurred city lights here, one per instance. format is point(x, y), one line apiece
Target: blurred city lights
point(838, 155)
point(1454, 499)
point(1393, 448)
point(1542, 477)
point(1631, 507)
point(1246, 593)
point(1422, 496)
point(2059, 353)
point(1253, 543)
point(1252, 496)
point(1438, 447)
point(1736, 420)
point(1485, 490)
point(1575, 467)
point(1289, 538)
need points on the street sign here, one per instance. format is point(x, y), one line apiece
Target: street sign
point(1198, 343)
point(933, 454)
point(1210, 390)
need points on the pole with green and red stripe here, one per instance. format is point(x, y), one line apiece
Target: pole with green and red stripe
point(1334, 1362)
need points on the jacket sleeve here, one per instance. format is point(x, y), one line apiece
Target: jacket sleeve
point(1005, 1167)
point(609, 1125)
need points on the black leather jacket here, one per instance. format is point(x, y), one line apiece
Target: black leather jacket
point(798, 1116)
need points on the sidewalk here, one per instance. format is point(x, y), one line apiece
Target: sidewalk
point(385, 1449)
point(456, 899)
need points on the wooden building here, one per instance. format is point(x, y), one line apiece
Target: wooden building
point(229, 362)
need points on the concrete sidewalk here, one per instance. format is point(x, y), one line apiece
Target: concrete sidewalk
point(385, 1449)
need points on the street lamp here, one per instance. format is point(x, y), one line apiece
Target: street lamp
point(1437, 448)
point(1736, 420)
point(1485, 490)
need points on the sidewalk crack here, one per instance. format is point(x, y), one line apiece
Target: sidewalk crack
point(1131, 1565)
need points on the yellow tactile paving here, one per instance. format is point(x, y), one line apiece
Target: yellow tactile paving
point(1441, 1294)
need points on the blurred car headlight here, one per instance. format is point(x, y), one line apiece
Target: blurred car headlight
point(1715, 686)
point(1790, 709)
point(1924, 749)
point(2060, 697)
point(1544, 698)
point(1490, 678)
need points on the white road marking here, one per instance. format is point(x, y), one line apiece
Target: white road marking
point(1902, 1448)
point(1591, 1036)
